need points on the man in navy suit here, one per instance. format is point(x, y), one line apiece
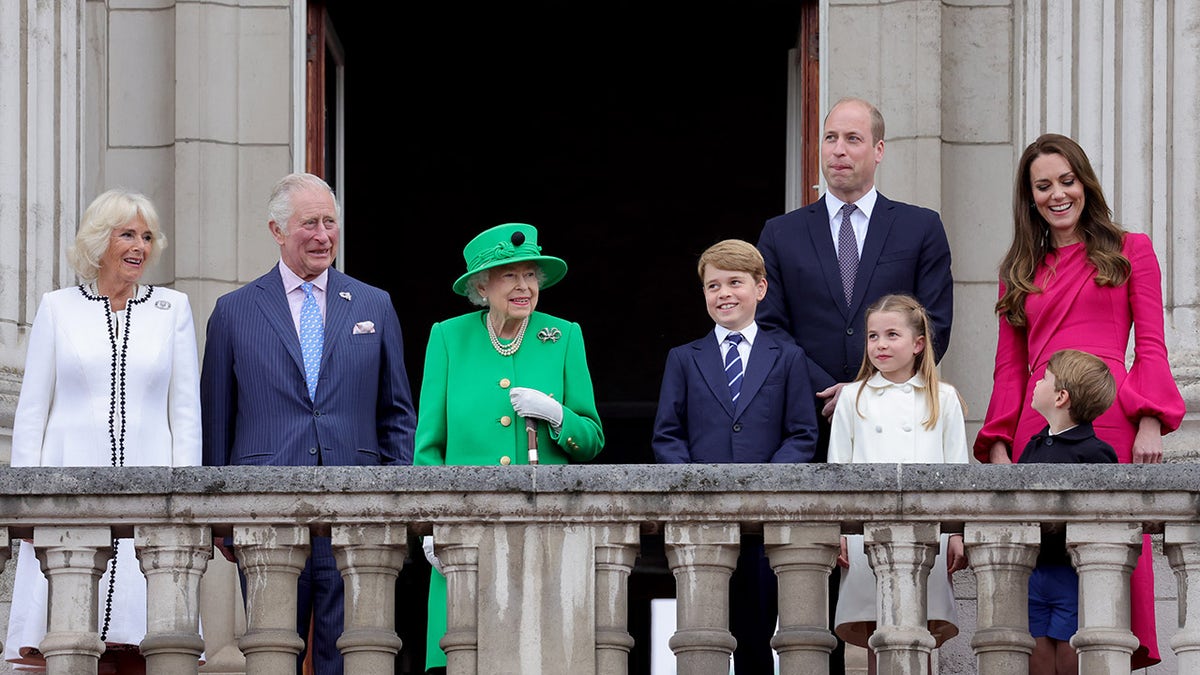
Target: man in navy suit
point(738, 395)
point(901, 249)
point(819, 289)
point(305, 367)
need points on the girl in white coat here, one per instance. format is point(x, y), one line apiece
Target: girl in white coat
point(897, 411)
point(111, 379)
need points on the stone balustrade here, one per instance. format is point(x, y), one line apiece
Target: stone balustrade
point(537, 559)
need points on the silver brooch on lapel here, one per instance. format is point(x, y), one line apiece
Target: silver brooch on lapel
point(345, 295)
point(162, 304)
point(549, 335)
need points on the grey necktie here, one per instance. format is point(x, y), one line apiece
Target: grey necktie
point(847, 253)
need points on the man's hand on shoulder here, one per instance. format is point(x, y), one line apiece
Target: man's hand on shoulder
point(830, 394)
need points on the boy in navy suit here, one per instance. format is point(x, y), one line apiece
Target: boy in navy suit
point(1076, 388)
point(738, 395)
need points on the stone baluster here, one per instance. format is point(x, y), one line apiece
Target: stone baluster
point(5, 552)
point(73, 558)
point(1104, 556)
point(1002, 556)
point(702, 557)
point(173, 558)
point(1182, 543)
point(616, 552)
point(457, 547)
point(272, 558)
point(901, 555)
point(803, 556)
point(370, 557)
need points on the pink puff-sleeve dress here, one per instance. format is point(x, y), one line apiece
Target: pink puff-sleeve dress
point(1072, 312)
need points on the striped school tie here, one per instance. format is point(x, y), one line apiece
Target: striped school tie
point(733, 365)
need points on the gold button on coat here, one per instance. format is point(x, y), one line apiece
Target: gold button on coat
point(504, 383)
point(505, 421)
point(505, 460)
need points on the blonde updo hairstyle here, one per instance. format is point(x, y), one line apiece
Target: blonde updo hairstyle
point(109, 211)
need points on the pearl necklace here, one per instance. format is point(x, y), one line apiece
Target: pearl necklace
point(512, 347)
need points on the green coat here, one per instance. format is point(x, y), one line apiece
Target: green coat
point(465, 416)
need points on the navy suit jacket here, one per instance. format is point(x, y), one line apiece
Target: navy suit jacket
point(255, 404)
point(774, 420)
point(905, 251)
point(1077, 445)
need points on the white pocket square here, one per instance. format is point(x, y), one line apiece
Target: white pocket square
point(364, 327)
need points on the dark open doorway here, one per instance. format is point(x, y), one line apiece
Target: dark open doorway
point(632, 134)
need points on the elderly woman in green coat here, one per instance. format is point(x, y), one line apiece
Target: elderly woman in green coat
point(490, 372)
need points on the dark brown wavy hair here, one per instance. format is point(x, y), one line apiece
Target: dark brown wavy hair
point(1102, 238)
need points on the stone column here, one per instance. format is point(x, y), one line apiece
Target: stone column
point(458, 549)
point(1182, 543)
point(73, 558)
point(5, 552)
point(1104, 556)
point(272, 558)
point(223, 615)
point(702, 557)
point(616, 552)
point(370, 557)
point(173, 558)
point(803, 557)
point(901, 555)
point(521, 566)
point(1002, 556)
point(41, 98)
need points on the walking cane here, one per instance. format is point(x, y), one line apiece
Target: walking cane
point(531, 430)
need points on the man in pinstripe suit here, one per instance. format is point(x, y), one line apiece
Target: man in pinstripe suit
point(342, 398)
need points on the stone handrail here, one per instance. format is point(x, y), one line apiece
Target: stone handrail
point(511, 538)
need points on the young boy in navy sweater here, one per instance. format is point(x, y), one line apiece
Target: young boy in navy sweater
point(1076, 388)
point(738, 395)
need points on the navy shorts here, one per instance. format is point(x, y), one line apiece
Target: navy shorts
point(1054, 602)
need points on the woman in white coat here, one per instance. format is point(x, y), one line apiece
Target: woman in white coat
point(111, 379)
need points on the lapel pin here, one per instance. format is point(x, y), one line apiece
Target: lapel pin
point(345, 294)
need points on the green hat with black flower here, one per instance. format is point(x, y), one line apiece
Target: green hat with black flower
point(504, 245)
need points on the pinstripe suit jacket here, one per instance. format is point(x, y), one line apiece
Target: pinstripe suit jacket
point(254, 402)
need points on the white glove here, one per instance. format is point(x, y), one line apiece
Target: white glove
point(533, 403)
point(427, 546)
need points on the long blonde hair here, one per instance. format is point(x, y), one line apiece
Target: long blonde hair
point(1102, 238)
point(924, 362)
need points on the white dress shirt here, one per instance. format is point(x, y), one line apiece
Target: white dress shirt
point(748, 334)
point(859, 220)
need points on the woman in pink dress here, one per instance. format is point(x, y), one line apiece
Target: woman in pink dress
point(1075, 279)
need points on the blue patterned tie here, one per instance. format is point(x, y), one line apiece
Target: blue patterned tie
point(733, 365)
point(847, 253)
point(312, 338)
